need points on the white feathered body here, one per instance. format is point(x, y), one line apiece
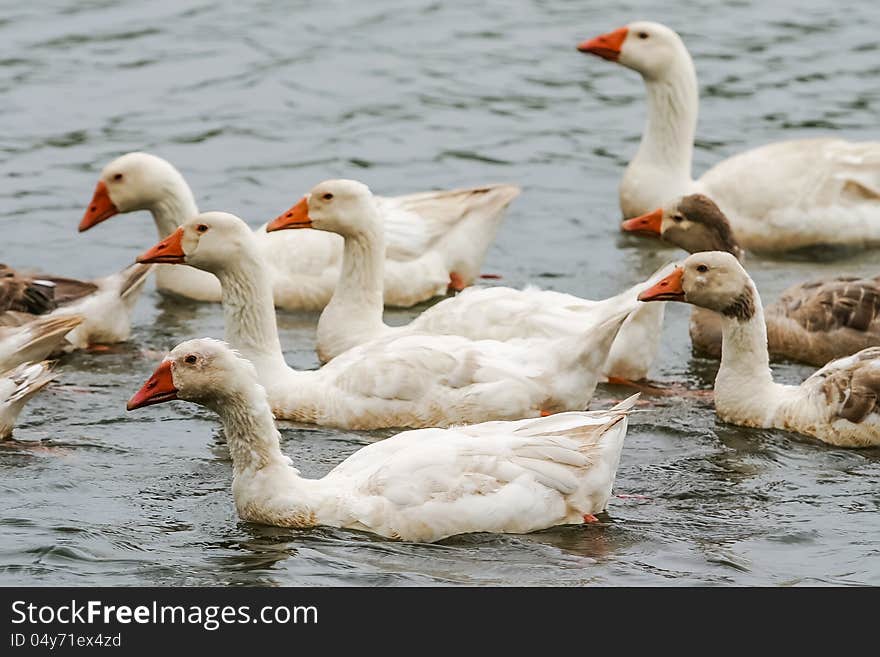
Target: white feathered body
point(428, 484)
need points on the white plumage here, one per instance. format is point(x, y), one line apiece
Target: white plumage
point(17, 386)
point(413, 380)
point(421, 485)
point(354, 314)
point(35, 338)
point(785, 195)
point(431, 235)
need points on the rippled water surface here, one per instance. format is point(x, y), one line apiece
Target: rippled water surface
point(256, 102)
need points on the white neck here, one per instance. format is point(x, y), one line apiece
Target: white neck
point(265, 486)
point(249, 312)
point(744, 389)
point(354, 314)
point(251, 328)
point(176, 204)
point(250, 429)
point(668, 140)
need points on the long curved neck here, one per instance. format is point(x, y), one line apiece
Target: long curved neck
point(250, 430)
point(249, 311)
point(744, 388)
point(744, 351)
point(265, 487)
point(176, 204)
point(358, 299)
point(673, 103)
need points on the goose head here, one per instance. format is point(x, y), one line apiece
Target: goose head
point(211, 241)
point(693, 223)
point(345, 207)
point(204, 371)
point(131, 182)
point(712, 279)
point(646, 47)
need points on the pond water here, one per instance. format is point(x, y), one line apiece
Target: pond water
point(257, 103)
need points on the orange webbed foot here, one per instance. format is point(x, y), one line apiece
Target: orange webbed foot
point(456, 283)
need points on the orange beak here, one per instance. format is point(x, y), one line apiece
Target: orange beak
point(168, 251)
point(666, 289)
point(648, 223)
point(100, 208)
point(158, 388)
point(296, 217)
point(606, 46)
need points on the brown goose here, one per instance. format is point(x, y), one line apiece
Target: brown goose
point(813, 322)
point(104, 305)
point(25, 294)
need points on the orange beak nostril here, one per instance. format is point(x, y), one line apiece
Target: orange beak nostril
point(295, 217)
point(651, 223)
point(158, 388)
point(99, 208)
point(606, 46)
point(168, 251)
point(668, 288)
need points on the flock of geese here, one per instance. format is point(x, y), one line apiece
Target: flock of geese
point(493, 381)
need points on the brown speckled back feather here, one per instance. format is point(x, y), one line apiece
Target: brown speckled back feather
point(841, 303)
point(856, 385)
point(24, 294)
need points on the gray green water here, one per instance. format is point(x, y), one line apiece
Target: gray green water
point(257, 103)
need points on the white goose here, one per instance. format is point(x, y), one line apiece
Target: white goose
point(782, 196)
point(423, 485)
point(17, 386)
point(408, 381)
point(106, 312)
point(435, 239)
point(838, 404)
point(354, 314)
point(104, 305)
point(24, 339)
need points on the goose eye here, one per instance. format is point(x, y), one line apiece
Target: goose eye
point(118, 176)
point(702, 268)
point(328, 196)
point(643, 35)
point(677, 218)
point(190, 359)
point(202, 228)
